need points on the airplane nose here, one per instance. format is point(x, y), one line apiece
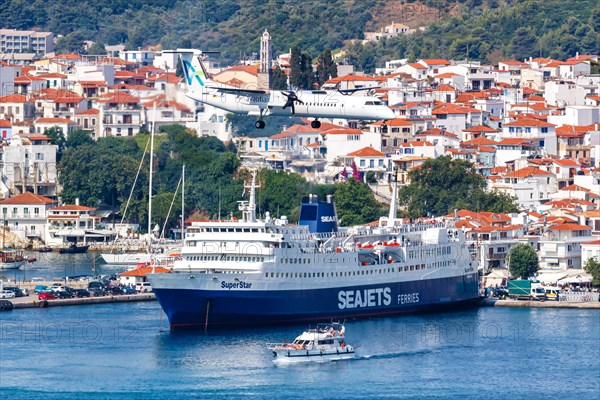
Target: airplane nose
point(389, 114)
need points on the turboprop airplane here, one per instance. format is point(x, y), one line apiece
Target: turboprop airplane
point(261, 103)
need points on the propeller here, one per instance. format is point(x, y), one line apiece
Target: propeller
point(291, 99)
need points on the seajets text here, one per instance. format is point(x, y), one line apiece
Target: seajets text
point(364, 298)
point(372, 298)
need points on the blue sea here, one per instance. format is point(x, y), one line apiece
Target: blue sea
point(126, 351)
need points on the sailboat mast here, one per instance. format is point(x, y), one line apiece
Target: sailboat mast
point(183, 204)
point(150, 181)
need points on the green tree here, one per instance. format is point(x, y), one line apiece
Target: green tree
point(326, 67)
point(301, 74)
point(523, 261)
point(356, 204)
point(71, 43)
point(57, 137)
point(96, 49)
point(278, 79)
point(77, 138)
point(592, 267)
point(523, 43)
point(443, 184)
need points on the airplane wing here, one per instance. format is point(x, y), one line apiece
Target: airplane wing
point(239, 92)
point(352, 91)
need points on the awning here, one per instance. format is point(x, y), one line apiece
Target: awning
point(551, 277)
point(583, 278)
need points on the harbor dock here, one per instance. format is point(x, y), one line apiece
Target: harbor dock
point(537, 304)
point(33, 302)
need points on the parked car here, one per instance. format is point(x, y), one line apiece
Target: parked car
point(115, 290)
point(46, 296)
point(17, 291)
point(96, 284)
point(500, 292)
point(128, 290)
point(7, 294)
point(40, 288)
point(61, 294)
point(95, 292)
point(143, 287)
point(80, 293)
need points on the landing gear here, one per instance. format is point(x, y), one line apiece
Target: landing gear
point(384, 128)
point(259, 124)
point(315, 124)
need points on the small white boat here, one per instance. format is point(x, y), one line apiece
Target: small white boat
point(11, 259)
point(326, 342)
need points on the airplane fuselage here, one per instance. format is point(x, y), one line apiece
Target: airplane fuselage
point(315, 104)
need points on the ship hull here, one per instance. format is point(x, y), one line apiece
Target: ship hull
point(189, 307)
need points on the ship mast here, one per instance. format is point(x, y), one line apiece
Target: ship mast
point(248, 208)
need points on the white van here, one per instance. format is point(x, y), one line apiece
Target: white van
point(552, 292)
point(143, 287)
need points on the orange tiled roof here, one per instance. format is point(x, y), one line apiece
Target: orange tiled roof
point(417, 65)
point(71, 207)
point(570, 227)
point(27, 198)
point(480, 128)
point(54, 121)
point(118, 97)
point(575, 188)
point(529, 122)
point(342, 131)
point(527, 172)
point(366, 152)
point(435, 61)
point(393, 122)
point(90, 111)
point(566, 162)
point(481, 140)
point(13, 98)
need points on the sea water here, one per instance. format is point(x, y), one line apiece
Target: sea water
point(126, 351)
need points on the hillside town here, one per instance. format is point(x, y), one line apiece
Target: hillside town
point(531, 127)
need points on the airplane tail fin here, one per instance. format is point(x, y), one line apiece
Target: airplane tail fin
point(196, 77)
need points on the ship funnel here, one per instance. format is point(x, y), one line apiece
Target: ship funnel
point(320, 216)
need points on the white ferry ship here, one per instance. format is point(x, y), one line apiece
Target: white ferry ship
point(255, 272)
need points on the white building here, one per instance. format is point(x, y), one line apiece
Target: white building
point(527, 128)
point(28, 164)
point(144, 57)
point(560, 247)
point(341, 141)
point(14, 41)
point(531, 186)
point(564, 93)
point(590, 250)
point(73, 223)
point(25, 215)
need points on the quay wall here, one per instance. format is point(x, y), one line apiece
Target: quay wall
point(537, 304)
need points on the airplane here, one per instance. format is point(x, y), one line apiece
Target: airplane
point(258, 102)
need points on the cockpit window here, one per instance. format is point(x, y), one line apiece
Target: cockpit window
point(378, 103)
point(369, 103)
